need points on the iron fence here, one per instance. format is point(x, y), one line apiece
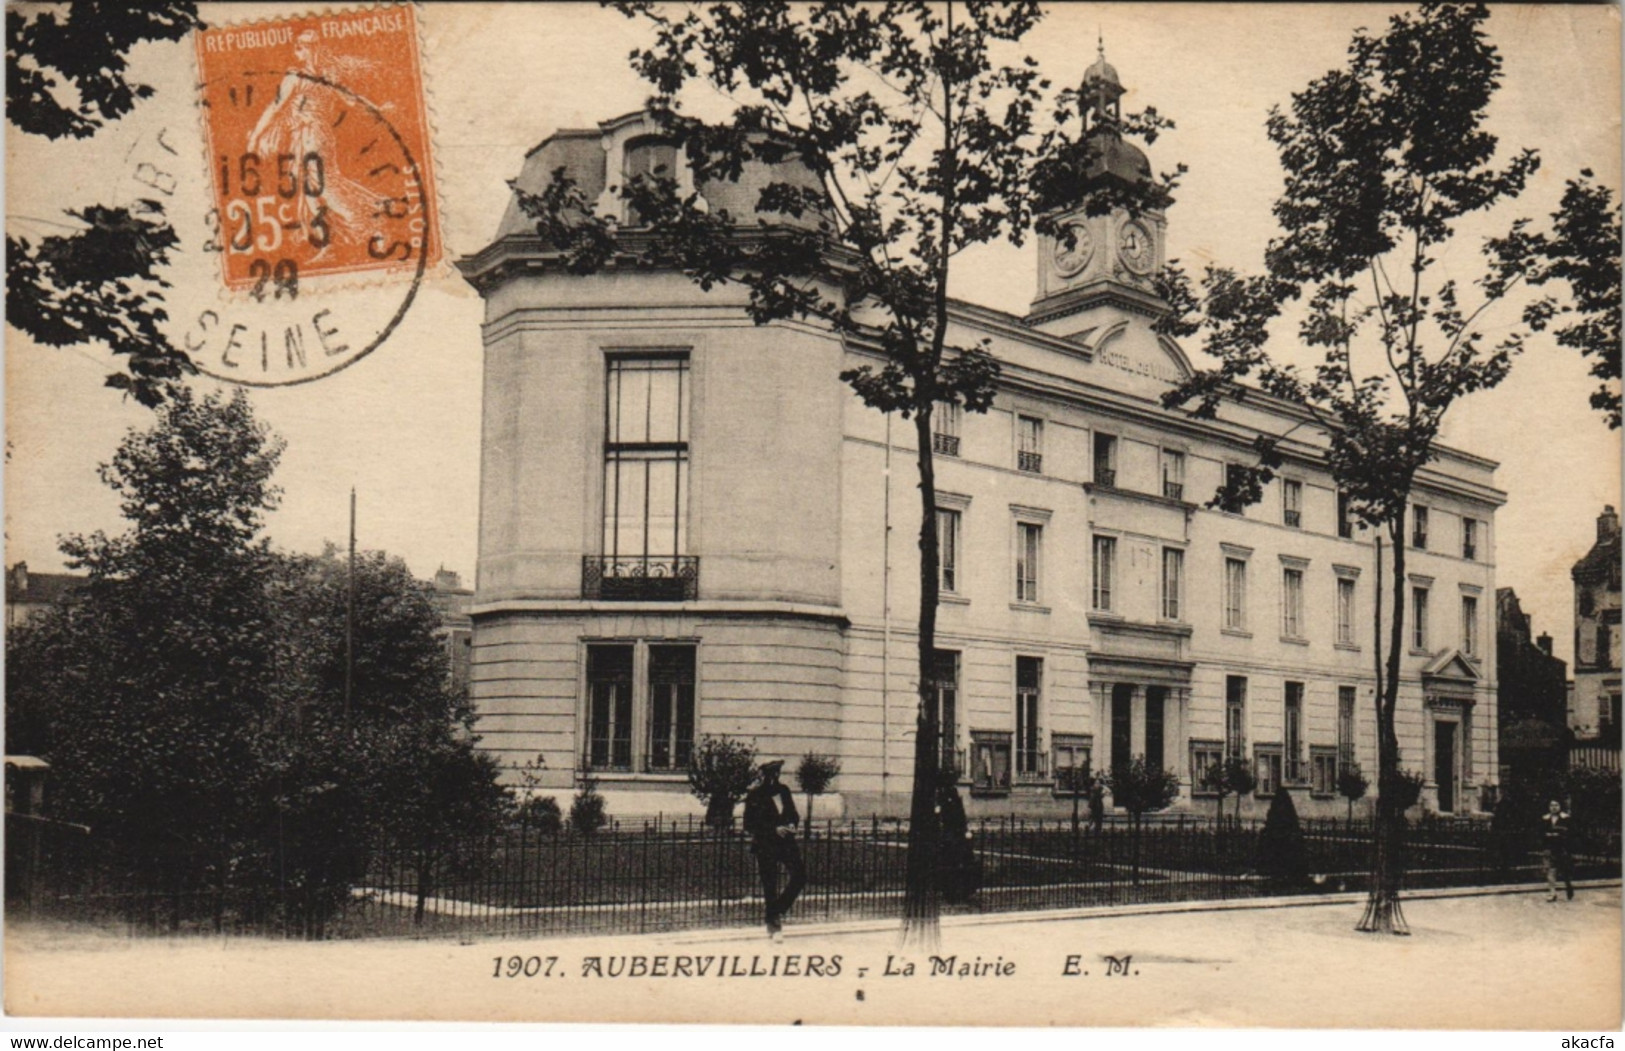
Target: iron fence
point(667, 875)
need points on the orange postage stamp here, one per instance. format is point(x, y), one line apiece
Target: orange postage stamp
point(318, 145)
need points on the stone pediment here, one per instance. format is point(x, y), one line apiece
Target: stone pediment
point(1450, 666)
point(1128, 345)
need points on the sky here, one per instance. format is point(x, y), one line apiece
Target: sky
point(403, 425)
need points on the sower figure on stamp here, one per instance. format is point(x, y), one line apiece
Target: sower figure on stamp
point(770, 820)
point(1554, 827)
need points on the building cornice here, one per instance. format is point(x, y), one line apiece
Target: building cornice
point(701, 608)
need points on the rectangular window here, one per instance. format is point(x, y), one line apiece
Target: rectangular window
point(1030, 444)
point(1073, 752)
point(1173, 474)
point(609, 707)
point(1419, 527)
point(1105, 568)
point(1292, 603)
point(1105, 460)
point(1345, 725)
point(645, 525)
point(660, 700)
point(1029, 737)
point(1345, 611)
point(945, 687)
point(1322, 772)
point(945, 419)
point(1292, 732)
point(1292, 503)
point(1345, 519)
point(1235, 594)
point(1469, 625)
point(1173, 581)
point(1029, 544)
point(1469, 539)
point(1235, 715)
point(948, 550)
point(1419, 618)
point(671, 707)
point(1205, 755)
point(1267, 770)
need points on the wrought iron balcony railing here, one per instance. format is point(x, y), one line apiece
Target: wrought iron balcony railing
point(1106, 476)
point(1030, 462)
point(1294, 519)
point(1032, 765)
point(670, 578)
point(1469, 552)
point(945, 444)
point(1173, 490)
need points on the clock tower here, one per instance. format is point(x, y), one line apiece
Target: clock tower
point(1099, 260)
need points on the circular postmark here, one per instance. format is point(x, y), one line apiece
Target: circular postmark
point(300, 197)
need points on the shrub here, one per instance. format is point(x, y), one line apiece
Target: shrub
point(813, 776)
point(720, 770)
point(1407, 789)
point(1281, 852)
point(1232, 776)
point(587, 810)
point(542, 814)
point(1351, 784)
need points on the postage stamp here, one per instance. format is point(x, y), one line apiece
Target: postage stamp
point(318, 145)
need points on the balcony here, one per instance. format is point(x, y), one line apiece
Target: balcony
point(1345, 528)
point(670, 578)
point(1173, 490)
point(945, 444)
point(1469, 552)
point(1105, 476)
point(1031, 462)
point(1293, 519)
point(1032, 766)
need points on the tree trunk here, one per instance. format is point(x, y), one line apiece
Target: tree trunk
point(922, 902)
point(1382, 909)
point(806, 822)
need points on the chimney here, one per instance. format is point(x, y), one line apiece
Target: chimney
point(19, 579)
point(1608, 523)
point(1545, 643)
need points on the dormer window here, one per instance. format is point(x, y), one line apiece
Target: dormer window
point(652, 157)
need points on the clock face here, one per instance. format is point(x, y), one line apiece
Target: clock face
point(1136, 247)
point(1074, 245)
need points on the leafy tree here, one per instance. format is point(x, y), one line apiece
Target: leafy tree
point(193, 697)
point(65, 76)
point(813, 776)
point(1231, 776)
point(87, 44)
point(1140, 787)
point(921, 144)
point(1351, 784)
point(720, 770)
point(1281, 853)
point(1383, 158)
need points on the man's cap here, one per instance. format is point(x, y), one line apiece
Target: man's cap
point(772, 766)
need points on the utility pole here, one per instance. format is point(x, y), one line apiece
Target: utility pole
point(349, 618)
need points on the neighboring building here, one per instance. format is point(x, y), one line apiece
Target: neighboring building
point(1533, 696)
point(456, 630)
point(690, 525)
point(1594, 713)
point(30, 594)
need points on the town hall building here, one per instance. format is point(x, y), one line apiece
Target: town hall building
point(690, 526)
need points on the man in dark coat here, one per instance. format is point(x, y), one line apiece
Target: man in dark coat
point(1097, 802)
point(1555, 832)
point(770, 821)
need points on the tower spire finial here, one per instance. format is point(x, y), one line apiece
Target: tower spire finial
point(1100, 45)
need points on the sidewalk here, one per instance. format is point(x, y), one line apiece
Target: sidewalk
point(1484, 961)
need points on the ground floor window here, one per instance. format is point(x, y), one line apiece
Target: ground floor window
point(641, 706)
point(1267, 769)
point(1323, 771)
point(1073, 752)
point(1205, 755)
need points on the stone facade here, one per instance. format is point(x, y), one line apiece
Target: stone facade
point(1594, 711)
point(765, 583)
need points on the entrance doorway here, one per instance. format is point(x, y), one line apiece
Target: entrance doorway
point(1444, 764)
